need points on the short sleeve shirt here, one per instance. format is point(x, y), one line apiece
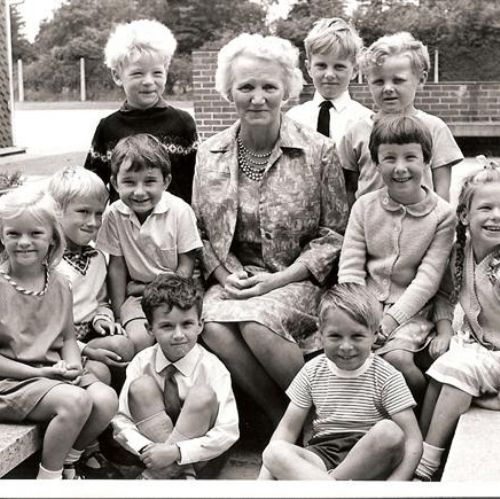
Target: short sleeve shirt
point(154, 246)
point(349, 401)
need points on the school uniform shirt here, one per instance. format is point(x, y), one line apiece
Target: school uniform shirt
point(344, 112)
point(153, 247)
point(197, 367)
point(87, 277)
point(355, 156)
point(398, 251)
point(349, 401)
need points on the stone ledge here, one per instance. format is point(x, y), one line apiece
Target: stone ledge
point(475, 450)
point(475, 129)
point(17, 443)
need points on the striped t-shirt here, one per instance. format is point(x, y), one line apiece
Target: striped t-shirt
point(349, 401)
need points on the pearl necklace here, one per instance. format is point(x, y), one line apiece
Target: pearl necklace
point(251, 167)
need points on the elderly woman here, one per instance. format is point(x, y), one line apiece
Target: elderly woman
point(271, 205)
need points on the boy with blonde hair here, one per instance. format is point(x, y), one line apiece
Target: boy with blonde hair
point(395, 67)
point(332, 50)
point(363, 426)
point(139, 54)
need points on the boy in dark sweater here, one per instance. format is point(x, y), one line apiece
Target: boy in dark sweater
point(139, 54)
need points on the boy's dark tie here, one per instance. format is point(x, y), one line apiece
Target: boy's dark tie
point(324, 118)
point(171, 394)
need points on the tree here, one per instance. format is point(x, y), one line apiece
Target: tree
point(21, 47)
point(80, 28)
point(302, 16)
point(466, 32)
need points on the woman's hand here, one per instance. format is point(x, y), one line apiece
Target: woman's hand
point(241, 285)
point(441, 342)
point(387, 325)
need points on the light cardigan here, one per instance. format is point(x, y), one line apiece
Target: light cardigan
point(398, 251)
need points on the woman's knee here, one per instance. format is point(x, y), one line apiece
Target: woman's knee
point(400, 359)
point(218, 336)
point(123, 347)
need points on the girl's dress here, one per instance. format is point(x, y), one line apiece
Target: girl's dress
point(31, 332)
point(472, 363)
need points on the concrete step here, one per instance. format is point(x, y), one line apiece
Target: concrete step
point(17, 443)
point(475, 450)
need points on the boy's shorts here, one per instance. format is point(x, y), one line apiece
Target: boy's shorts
point(131, 310)
point(333, 449)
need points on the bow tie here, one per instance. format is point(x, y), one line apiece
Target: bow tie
point(80, 259)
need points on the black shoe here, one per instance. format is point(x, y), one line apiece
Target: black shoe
point(70, 472)
point(96, 467)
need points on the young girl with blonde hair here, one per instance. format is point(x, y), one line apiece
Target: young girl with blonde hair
point(470, 370)
point(41, 374)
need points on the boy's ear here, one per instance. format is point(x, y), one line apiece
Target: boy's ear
point(201, 324)
point(167, 180)
point(149, 330)
point(116, 77)
point(464, 218)
point(423, 78)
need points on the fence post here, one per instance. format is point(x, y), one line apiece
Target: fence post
point(360, 76)
point(82, 79)
point(20, 80)
point(436, 66)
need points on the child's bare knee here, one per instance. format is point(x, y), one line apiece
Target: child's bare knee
point(76, 405)
point(104, 398)
point(389, 436)
point(100, 370)
point(138, 334)
point(273, 453)
point(201, 399)
point(142, 389)
point(123, 346)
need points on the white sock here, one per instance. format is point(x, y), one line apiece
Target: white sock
point(73, 456)
point(45, 474)
point(430, 461)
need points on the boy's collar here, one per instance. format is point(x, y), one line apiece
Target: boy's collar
point(186, 365)
point(342, 373)
point(339, 103)
point(161, 207)
point(125, 107)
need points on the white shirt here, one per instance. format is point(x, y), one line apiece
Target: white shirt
point(343, 114)
point(197, 367)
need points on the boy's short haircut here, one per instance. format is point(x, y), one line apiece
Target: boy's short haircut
point(396, 129)
point(333, 34)
point(140, 151)
point(355, 300)
point(75, 182)
point(129, 41)
point(397, 44)
point(171, 290)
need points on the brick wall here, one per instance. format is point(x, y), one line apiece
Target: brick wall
point(454, 102)
point(5, 118)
